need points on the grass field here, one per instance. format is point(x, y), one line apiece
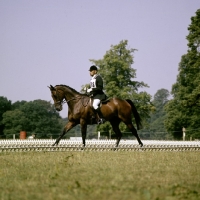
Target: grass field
point(100, 175)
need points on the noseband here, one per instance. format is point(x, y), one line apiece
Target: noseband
point(60, 102)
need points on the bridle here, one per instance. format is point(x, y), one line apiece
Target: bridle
point(61, 102)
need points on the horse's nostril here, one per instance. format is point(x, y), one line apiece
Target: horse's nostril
point(58, 108)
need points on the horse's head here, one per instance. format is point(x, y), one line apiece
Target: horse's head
point(57, 96)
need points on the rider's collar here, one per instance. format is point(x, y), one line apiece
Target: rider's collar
point(95, 76)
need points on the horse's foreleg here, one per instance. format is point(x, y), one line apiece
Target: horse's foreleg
point(83, 130)
point(59, 138)
point(68, 126)
point(118, 140)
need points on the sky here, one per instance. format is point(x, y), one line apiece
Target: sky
point(45, 42)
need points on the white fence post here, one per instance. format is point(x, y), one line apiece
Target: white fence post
point(99, 135)
point(183, 134)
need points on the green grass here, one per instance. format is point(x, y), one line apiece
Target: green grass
point(100, 175)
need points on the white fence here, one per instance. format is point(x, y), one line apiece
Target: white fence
point(49, 142)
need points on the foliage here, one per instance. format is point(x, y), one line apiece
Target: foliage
point(36, 116)
point(5, 105)
point(155, 128)
point(15, 121)
point(158, 117)
point(18, 104)
point(118, 75)
point(184, 109)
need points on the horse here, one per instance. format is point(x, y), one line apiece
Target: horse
point(80, 111)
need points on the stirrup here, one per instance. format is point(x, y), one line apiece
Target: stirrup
point(101, 121)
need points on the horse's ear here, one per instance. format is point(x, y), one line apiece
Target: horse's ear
point(51, 87)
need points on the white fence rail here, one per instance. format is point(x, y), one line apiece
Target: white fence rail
point(97, 145)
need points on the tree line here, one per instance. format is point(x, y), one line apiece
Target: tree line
point(184, 109)
point(163, 117)
point(38, 116)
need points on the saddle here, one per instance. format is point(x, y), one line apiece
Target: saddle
point(103, 101)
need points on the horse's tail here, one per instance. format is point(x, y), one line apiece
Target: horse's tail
point(136, 114)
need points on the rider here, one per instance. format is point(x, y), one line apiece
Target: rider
point(96, 91)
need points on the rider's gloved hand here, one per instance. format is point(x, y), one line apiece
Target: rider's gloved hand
point(89, 90)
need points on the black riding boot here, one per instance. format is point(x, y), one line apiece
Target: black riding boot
point(101, 120)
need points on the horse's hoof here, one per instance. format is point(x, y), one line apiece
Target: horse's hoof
point(114, 148)
point(82, 148)
point(141, 145)
point(56, 143)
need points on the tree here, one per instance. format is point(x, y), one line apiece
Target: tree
point(37, 116)
point(157, 118)
point(14, 121)
point(184, 109)
point(118, 75)
point(5, 105)
point(18, 104)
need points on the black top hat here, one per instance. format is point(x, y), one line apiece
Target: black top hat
point(93, 67)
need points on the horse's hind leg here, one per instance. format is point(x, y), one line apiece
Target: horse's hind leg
point(134, 131)
point(83, 130)
point(115, 126)
point(68, 126)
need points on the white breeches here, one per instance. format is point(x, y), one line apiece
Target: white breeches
point(96, 103)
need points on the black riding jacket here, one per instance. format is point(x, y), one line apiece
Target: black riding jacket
point(96, 84)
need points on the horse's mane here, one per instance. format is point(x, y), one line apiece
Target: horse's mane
point(69, 88)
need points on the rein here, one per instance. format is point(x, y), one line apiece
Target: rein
point(74, 98)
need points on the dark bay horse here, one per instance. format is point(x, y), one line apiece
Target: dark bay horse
point(80, 111)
